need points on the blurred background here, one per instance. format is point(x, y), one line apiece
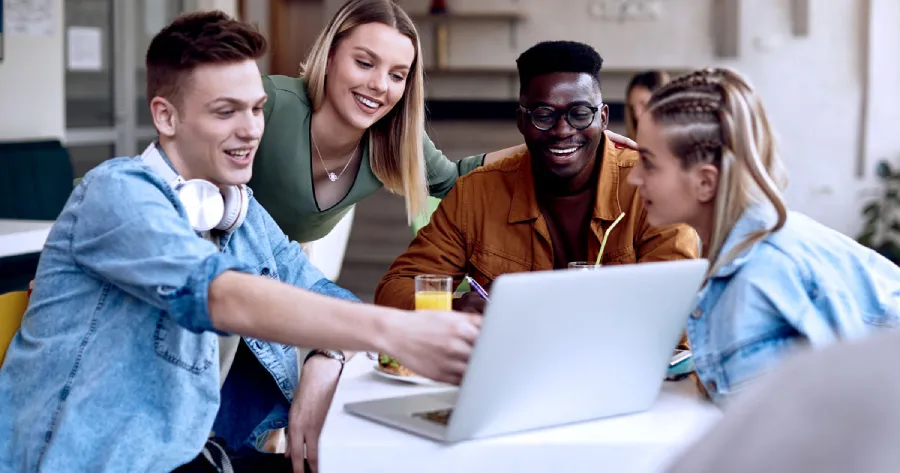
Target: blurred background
point(72, 70)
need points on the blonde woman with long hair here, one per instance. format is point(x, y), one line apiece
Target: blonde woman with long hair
point(351, 123)
point(778, 280)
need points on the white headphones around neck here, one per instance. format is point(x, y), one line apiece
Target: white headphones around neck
point(206, 205)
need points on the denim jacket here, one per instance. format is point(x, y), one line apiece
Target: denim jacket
point(115, 367)
point(805, 285)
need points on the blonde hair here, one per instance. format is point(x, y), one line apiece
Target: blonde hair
point(714, 116)
point(395, 141)
point(650, 80)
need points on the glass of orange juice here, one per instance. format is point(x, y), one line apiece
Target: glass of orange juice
point(433, 292)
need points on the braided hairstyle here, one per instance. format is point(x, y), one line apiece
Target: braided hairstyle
point(714, 116)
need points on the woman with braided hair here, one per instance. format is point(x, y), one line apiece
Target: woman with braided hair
point(778, 280)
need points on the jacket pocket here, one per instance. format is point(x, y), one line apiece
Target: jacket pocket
point(750, 356)
point(185, 349)
point(624, 255)
point(487, 265)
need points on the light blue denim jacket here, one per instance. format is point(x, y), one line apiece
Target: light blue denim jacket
point(805, 285)
point(115, 368)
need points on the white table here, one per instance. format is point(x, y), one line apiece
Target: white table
point(644, 442)
point(19, 237)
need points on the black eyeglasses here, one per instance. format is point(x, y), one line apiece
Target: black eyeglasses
point(544, 118)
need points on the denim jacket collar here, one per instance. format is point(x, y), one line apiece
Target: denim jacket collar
point(224, 237)
point(168, 161)
point(754, 218)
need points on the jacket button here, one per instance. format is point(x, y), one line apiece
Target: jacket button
point(697, 313)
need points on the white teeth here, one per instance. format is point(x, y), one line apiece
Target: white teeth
point(366, 102)
point(239, 153)
point(563, 151)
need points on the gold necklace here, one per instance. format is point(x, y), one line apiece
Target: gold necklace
point(332, 176)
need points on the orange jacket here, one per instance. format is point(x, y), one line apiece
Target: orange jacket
point(490, 224)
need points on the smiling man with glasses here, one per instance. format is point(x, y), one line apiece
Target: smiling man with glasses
point(549, 206)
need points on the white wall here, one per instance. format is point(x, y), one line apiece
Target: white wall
point(228, 6)
point(31, 84)
point(812, 87)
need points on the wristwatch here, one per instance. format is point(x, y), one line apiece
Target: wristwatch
point(333, 354)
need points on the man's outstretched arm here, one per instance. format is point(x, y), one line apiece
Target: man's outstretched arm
point(140, 243)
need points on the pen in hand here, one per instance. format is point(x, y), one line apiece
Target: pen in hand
point(478, 289)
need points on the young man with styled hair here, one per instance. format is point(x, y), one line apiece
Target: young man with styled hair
point(167, 303)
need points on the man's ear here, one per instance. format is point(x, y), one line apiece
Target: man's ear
point(604, 116)
point(164, 116)
point(705, 182)
point(521, 120)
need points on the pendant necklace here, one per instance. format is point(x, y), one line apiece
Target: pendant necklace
point(332, 176)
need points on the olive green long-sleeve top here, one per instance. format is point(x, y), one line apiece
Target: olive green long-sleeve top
point(282, 171)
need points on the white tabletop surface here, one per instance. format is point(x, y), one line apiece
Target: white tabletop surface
point(18, 237)
point(644, 442)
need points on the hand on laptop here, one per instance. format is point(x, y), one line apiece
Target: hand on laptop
point(432, 344)
point(470, 302)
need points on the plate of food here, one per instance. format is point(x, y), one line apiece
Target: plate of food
point(388, 367)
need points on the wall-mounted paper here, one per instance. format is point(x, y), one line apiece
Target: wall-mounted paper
point(84, 48)
point(30, 17)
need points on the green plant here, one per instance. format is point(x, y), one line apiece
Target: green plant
point(881, 230)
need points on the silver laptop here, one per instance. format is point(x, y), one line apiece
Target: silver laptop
point(558, 347)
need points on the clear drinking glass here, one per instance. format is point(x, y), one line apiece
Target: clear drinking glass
point(584, 266)
point(434, 292)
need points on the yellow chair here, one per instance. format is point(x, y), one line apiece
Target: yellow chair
point(12, 308)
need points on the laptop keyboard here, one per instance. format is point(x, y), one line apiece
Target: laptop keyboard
point(440, 416)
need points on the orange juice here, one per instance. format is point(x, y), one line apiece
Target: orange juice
point(434, 300)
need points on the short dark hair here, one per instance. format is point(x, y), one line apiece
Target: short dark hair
point(196, 39)
point(558, 56)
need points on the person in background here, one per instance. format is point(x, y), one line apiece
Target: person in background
point(167, 306)
point(638, 93)
point(547, 206)
point(330, 143)
point(778, 280)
